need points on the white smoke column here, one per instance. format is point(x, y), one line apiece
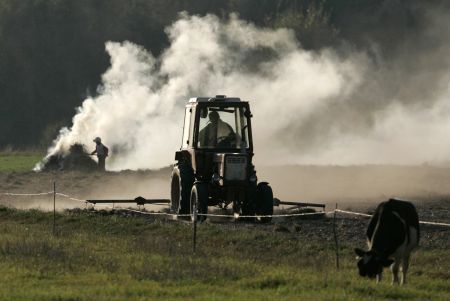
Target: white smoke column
point(401, 136)
point(129, 114)
point(139, 111)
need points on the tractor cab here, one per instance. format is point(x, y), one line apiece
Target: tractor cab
point(217, 123)
point(214, 164)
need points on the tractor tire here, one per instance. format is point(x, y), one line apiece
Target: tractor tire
point(264, 198)
point(199, 200)
point(180, 188)
point(249, 205)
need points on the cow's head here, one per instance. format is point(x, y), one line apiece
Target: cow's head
point(370, 264)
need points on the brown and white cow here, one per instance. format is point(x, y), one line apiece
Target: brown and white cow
point(392, 234)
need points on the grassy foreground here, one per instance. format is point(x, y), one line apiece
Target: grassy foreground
point(110, 257)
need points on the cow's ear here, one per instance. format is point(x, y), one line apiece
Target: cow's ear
point(359, 252)
point(387, 262)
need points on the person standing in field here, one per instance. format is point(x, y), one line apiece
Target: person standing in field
point(102, 153)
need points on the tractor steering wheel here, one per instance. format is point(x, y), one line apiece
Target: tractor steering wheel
point(226, 141)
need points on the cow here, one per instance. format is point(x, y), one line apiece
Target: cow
point(392, 234)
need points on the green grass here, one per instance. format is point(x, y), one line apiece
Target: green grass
point(95, 257)
point(18, 162)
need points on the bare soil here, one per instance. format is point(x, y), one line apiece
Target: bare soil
point(355, 188)
point(81, 185)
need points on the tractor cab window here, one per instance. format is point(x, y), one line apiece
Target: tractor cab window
point(187, 128)
point(223, 127)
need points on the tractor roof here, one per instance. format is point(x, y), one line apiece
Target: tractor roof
point(217, 98)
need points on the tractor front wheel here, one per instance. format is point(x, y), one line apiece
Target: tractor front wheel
point(199, 200)
point(249, 205)
point(264, 198)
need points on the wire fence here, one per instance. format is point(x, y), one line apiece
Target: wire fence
point(195, 215)
point(26, 194)
point(368, 215)
point(279, 215)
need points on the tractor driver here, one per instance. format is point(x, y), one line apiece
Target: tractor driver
point(217, 133)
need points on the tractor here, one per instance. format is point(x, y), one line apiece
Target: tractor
point(214, 164)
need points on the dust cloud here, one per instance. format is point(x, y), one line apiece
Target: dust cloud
point(333, 106)
point(356, 186)
point(352, 187)
point(83, 185)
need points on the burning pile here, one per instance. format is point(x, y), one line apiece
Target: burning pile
point(76, 159)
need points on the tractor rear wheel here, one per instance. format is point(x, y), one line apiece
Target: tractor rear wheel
point(180, 188)
point(199, 200)
point(264, 198)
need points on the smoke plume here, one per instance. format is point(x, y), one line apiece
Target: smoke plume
point(333, 106)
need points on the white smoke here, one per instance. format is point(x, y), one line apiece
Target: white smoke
point(400, 136)
point(139, 109)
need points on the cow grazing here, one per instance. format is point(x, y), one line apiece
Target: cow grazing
point(392, 234)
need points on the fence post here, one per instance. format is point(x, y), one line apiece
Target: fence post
point(336, 238)
point(194, 234)
point(54, 207)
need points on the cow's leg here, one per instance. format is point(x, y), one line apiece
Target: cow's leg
point(405, 266)
point(394, 270)
point(379, 277)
